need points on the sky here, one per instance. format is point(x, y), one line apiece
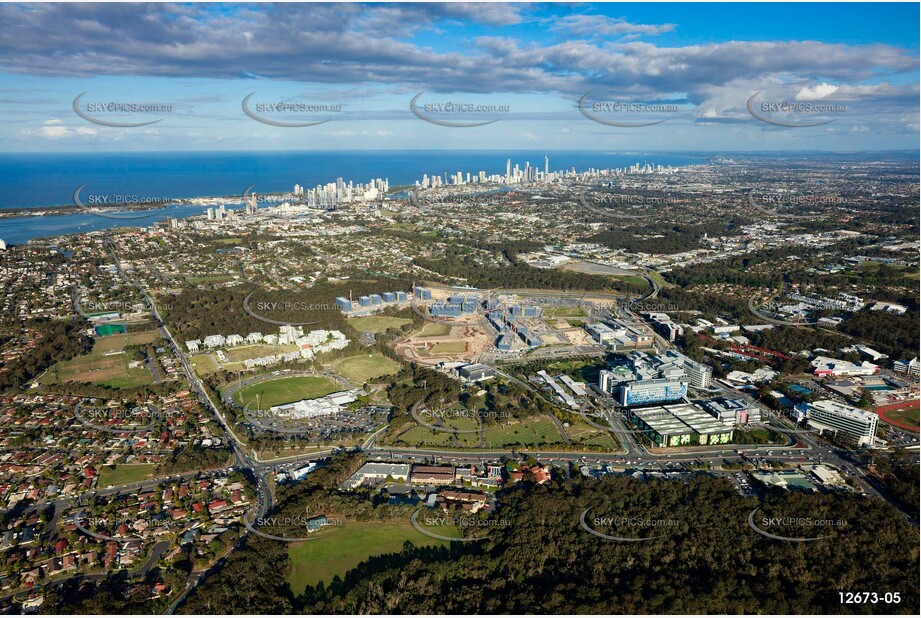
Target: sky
point(593, 76)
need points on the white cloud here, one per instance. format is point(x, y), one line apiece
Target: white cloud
point(819, 92)
point(54, 129)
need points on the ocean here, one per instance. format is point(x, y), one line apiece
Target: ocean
point(41, 180)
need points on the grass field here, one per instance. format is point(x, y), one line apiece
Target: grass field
point(908, 416)
point(105, 365)
point(461, 423)
point(365, 367)
point(203, 364)
point(423, 436)
point(118, 342)
point(124, 474)
point(433, 330)
point(285, 390)
point(345, 547)
point(532, 431)
point(255, 351)
point(565, 312)
point(377, 323)
point(635, 280)
point(583, 433)
point(449, 347)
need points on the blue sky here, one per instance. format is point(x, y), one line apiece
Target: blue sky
point(699, 65)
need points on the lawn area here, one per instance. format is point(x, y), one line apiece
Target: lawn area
point(112, 371)
point(565, 312)
point(364, 367)
point(377, 323)
point(203, 363)
point(346, 546)
point(433, 330)
point(285, 390)
point(635, 280)
point(112, 343)
point(105, 365)
point(583, 433)
point(423, 436)
point(449, 347)
point(243, 353)
point(530, 432)
point(124, 474)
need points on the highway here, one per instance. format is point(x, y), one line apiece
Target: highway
point(633, 455)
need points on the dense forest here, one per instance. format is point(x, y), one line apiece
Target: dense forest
point(459, 263)
point(706, 560)
point(197, 313)
point(662, 237)
point(55, 341)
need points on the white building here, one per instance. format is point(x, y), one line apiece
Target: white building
point(215, 341)
point(314, 408)
point(825, 366)
point(910, 368)
point(377, 471)
point(829, 415)
point(890, 308)
point(733, 411)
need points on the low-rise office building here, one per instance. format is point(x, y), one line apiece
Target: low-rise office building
point(679, 425)
point(827, 415)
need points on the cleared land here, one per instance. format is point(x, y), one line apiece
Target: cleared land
point(433, 330)
point(449, 347)
point(285, 390)
point(346, 546)
point(377, 323)
point(365, 367)
point(124, 474)
point(106, 365)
